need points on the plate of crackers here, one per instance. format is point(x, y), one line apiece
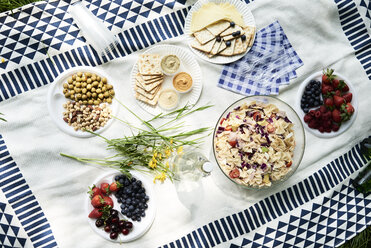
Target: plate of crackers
point(220, 31)
point(166, 77)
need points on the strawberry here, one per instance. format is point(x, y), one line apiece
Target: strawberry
point(335, 83)
point(329, 102)
point(104, 187)
point(336, 115)
point(343, 86)
point(338, 101)
point(234, 173)
point(307, 118)
point(327, 76)
point(335, 127)
point(93, 191)
point(97, 201)
point(107, 201)
point(96, 213)
point(327, 90)
point(114, 186)
point(348, 97)
point(337, 93)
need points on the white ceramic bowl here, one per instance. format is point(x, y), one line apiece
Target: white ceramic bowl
point(344, 126)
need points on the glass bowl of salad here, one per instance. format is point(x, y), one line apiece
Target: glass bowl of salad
point(258, 142)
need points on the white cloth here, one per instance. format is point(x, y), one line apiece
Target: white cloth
point(60, 184)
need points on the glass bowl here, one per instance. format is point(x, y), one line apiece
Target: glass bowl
point(298, 132)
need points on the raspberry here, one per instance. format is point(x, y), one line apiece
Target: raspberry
point(323, 109)
point(321, 129)
point(328, 129)
point(307, 118)
point(313, 123)
point(312, 112)
point(318, 114)
point(335, 127)
point(327, 116)
point(327, 124)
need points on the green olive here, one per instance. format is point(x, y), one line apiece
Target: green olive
point(78, 90)
point(83, 90)
point(78, 79)
point(94, 95)
point(93, 89)
point(73, 77)
point(95, 83)
point(96, 102)
point(78, 85)
point(94, 77)
point(65, 91)
point(72, 92)
point(88, 94)
point(91, 102)
point(99, 91)
point(88, 74)
point(84, 85)
point(79, 74)
point(109, 100)
point(83, 78)
point(109, 86)
point(98, 78)
point(70, 86)
point(104, 80)
point(101, 96)
point(67, 94)
point(85, 102)
point(65, 86)
point(106, 94)
point(84, 97)
point(112, 92)
point(104, 88)
point(78, 96)
point(70, 80)
point(72, 96)
point(89, 80)
point(100, 85)
point(88, 86)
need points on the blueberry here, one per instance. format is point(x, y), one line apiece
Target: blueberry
point(117, 178)
point(146, 197)
point(316, 103)
point(307, 105)
point(302, 106)
point(306, 110)
point(128, 214)
point(121, 181)
point(243, 37)
point(228, 43)
point(218, 39)
point(123, 212)
point(232, 24)
point(307, 87)
point(131, 208)
point(133, 179)
point(311, 101)
point(138, 218)
point(145, 206)
point(312, 81)
point(143, 214)
point(234, 34)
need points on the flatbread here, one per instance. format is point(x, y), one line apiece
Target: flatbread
point(218, 27)
point(144, 99)
point(149, 78)
point(222, 47)
point(230, 30)
point(149, 87)
point(203, 36)
point(246, 42)
point(250, 32)
point(149, 96)
point(215, 48)
point(239, 47)
point(229, 50)
point(141, 78)
point(138, 85)
point(149, 64)
point(204, 48)
point(231, 37)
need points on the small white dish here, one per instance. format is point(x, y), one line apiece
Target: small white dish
point(248, 18)
point(188, 64)
point(139, 228)
point(345, 125)
point(179, 91)
point(168, 73)
point(173, 106)
point(56, 99)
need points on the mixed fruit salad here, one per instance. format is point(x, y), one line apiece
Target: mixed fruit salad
point(327, 104)
point(130, 193)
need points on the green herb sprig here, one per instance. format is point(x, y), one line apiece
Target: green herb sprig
point(150, 148)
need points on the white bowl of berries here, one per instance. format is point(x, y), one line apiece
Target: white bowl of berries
point(327, 103)
point(121, 208)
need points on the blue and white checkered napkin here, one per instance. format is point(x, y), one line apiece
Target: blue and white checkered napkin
point(271, 62)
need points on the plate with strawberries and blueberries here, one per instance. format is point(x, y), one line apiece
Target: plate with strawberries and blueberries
point(327, 103)
point(120, 207)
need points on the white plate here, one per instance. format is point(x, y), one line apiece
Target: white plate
point(139, 228)
point(187, 64)
point(248, 18)
point(345, 125)
point(56, 99)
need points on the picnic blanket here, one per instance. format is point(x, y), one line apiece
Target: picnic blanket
point(42, 197)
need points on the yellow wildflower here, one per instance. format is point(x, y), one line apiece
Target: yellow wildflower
point(152, 164)
point(167, 153)
point(155, 154)
point(180, 150)
point(167, 164)
point(2, 60)
point(161, 177)
point(171, 141)
point(160, 156)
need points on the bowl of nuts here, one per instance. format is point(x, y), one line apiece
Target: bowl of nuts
point(81, 100)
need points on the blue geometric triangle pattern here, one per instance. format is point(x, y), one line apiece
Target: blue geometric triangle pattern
point(328, 232)
point(9, 233)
